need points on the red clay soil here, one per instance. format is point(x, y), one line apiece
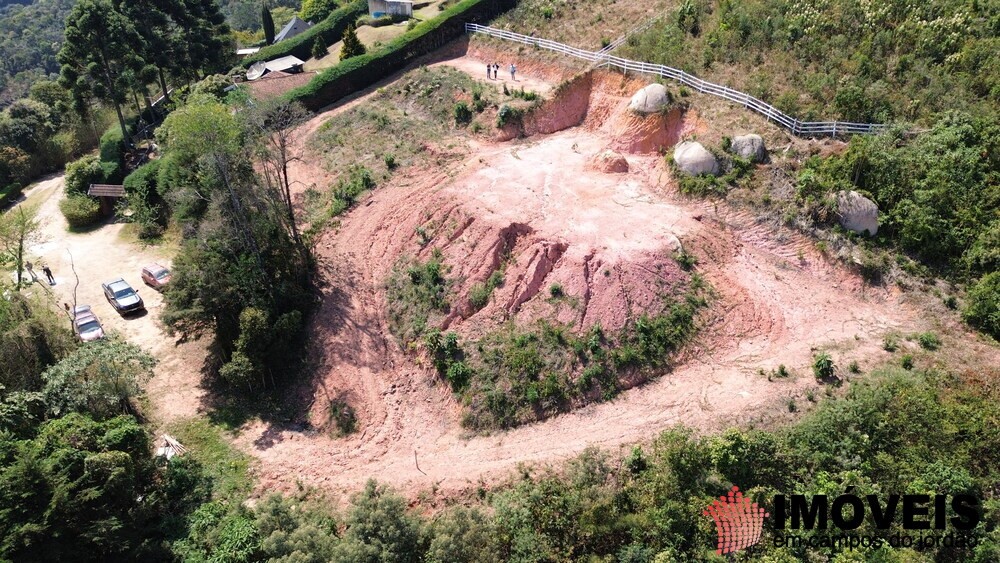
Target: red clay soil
point(608, 240)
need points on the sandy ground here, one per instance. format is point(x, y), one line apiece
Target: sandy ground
point(778, 300)
point(103, 254)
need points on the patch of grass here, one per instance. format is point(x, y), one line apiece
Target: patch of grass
point(686, 260)
point(929, 341)
point(906, 361)
point(890, 343)
point(479, 293)
point(228, 467)
point(556, 291)
point(417, 294)
point(519, 375)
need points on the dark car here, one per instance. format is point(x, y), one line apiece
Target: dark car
point(86, 325)
point(122, 297)
point(156, 276)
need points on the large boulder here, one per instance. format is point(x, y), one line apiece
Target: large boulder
point(750, 147)
point(693, 159)
point(651, 99)
point(857, 213)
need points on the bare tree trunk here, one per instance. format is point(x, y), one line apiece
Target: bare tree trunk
point(163, 85)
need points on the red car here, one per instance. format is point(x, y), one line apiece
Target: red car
point(156, 276)
point(86, 325)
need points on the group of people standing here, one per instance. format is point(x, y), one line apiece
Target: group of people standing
point(45, 270)
point(492, 69)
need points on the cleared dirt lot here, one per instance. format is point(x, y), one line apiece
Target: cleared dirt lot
point(102, 254)
point(778, 299)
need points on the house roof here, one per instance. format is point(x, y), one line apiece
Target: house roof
point(292, 28)
point(106, 190)
point(274, 84)
point(283, 63)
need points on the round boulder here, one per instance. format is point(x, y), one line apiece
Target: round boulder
point(693, 159)
point(857, 213)
point(650, 99)
point(609, 161)
point(750, 147)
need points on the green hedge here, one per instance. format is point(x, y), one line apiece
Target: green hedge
point(80, 211)
point(359, 72)
point(113, 145)
point(300, 46)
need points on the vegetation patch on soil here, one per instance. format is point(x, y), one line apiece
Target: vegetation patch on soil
point(517, 374)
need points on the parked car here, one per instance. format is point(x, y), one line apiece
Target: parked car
point(156, 276)
point(86, 325)
point(122, 297)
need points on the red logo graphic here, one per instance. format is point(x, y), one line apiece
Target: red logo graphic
point(738, 521)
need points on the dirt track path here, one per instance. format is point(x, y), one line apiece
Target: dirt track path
point(777, 301)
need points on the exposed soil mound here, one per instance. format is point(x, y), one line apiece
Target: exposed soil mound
point(609, 162)
point(602, 100)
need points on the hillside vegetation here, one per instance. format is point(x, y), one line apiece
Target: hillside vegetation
point(30, 36)
point(847, 59)
point(915, 432)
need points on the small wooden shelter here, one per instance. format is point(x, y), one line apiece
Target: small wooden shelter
point(108, 194)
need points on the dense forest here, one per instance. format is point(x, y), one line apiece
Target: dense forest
point(30, 36)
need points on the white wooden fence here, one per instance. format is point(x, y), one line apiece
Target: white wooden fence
point(771, 113)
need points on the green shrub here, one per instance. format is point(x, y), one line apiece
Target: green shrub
point(479, 293)
point(463, 115)
point(112, 147)
point(890, 343)
point(823, 366)
point(343, 418)
point(143, 199)
point(319, 49)
point(507, 114)
point(80, 211)
point(982, 308)
point(906, 361)
point(352, 46)
point(929, 341)
point(80, 174)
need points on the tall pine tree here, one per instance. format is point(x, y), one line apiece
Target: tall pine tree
point(102, 48)
point(268, 22)
point(352, 45)
point(319, 49)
